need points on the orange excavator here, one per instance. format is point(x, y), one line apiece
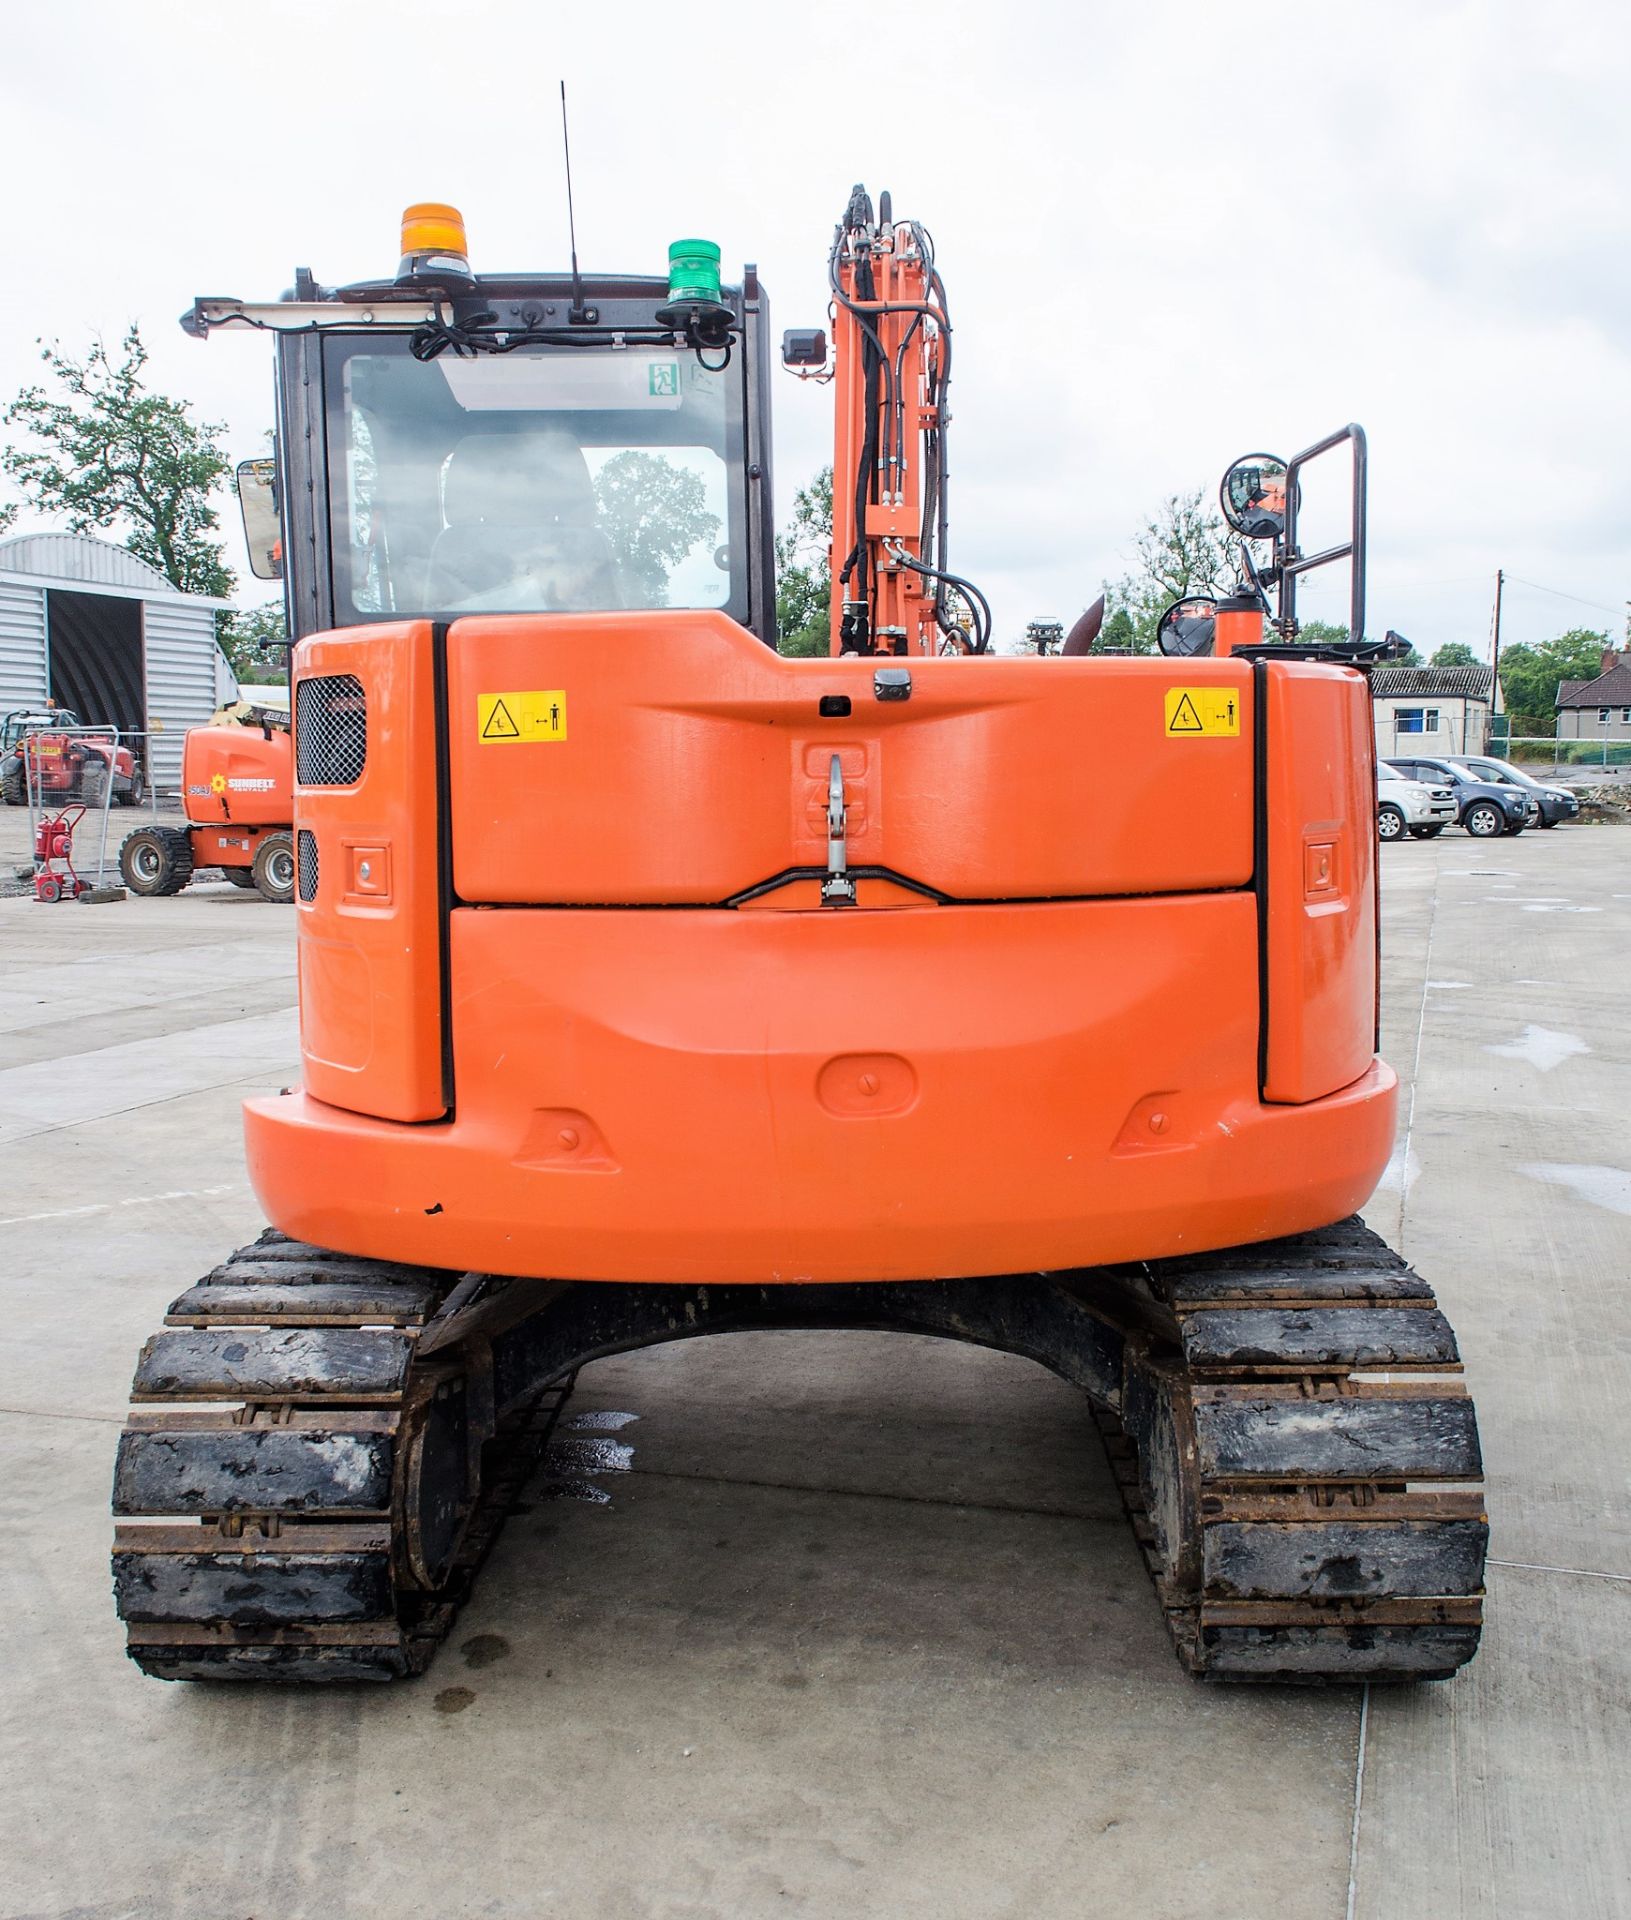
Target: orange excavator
point(648, 986)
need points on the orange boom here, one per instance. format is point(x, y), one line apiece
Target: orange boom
point(653, 984)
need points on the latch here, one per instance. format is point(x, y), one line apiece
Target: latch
point(838, 889)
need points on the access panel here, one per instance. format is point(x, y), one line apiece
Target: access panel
point(366, 844)
point(1320, 836)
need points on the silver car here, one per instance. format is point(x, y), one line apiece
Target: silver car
point(1410, 807)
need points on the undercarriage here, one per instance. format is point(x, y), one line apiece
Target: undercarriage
point(324, 1449)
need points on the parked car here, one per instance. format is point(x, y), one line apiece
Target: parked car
point(1555, 803)
point(1407, 807)
point(1486, 808)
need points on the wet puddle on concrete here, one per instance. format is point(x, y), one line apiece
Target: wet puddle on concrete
point(1541, 1047)
point(580, 1452)
point(1605, 1187)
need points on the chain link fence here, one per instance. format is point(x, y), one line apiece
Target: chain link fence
point(1538, 753)
point(62, 769)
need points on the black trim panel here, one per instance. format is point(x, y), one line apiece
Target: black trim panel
point(788, 875)
point(444, 858)
point(1260, 859)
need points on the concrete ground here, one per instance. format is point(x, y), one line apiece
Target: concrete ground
point(862, 1633)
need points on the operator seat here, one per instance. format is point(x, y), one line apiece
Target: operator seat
point(519, 529)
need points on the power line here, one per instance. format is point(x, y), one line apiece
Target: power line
point(1517, 581)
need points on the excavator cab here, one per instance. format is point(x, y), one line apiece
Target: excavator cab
point(532, 443)
point(653, 984)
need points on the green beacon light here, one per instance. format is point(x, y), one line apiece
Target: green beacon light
point(693, 271)
point(695, 306)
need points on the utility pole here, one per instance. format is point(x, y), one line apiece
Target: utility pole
point(1495, 653)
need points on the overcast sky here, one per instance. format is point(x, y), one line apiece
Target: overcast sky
point(1171, 234)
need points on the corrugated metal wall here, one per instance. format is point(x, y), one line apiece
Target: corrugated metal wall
point(180, 681)
point(22, 645)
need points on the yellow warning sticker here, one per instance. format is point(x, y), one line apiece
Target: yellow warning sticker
point(1194, 713)
point(514, 719)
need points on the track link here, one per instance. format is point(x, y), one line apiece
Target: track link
point(329, 1525)
point(1302, 1471)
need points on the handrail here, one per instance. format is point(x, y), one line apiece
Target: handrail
point(1291, 563)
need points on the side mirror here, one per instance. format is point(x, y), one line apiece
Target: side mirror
point(1188, 626)
point(257, 501)
point(804, 347)
point(1253, 496)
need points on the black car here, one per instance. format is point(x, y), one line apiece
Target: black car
point(1486, 808)
point(1555, 803)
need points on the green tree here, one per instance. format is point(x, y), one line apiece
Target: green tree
point(1530, 676)
point(249, 640)
point(804, 572)
point(1118, 632)
point(653, 513)
point(1321, 633)
point(103, 453)
point(1455, 653)
point(1182, 550)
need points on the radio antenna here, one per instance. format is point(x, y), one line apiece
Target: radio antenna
point(580, 315)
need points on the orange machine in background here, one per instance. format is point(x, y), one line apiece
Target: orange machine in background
point(654, 984)
point(237, 784)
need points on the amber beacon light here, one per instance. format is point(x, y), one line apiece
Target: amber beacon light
point(433, 243)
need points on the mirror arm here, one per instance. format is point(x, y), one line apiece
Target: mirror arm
point(1299, 563)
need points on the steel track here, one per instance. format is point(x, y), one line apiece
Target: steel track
point(324, 1449)
point(1302, 1474)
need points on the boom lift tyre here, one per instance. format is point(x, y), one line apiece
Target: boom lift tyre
point(541, 1123)
point(272, 875)
point(156, 861)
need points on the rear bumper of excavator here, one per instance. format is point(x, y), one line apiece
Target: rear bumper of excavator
point(728, 1097)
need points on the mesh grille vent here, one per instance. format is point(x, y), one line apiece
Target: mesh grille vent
point(306, 860)
point(330, 730)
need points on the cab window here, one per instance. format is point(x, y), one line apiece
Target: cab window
point(548, 479)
